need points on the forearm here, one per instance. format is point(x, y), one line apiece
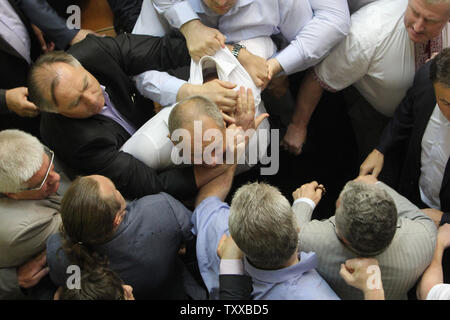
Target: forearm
point(161, 87)
point(433, 275)
point(45, 18)
point(374, 294)
point(303, 212)
point(308, 98)
point(219, 184)
point(329, 24)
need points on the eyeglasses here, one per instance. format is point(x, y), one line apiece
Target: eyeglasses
point(51, 156)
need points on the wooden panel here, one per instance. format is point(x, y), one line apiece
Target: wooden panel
point(97, 15)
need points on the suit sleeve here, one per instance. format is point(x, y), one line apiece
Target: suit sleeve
point(45, 18)
point(182, 216)
point(132, 177)
point(235, 287)
point(136, 54)
point(9, 285)
point(3, 107)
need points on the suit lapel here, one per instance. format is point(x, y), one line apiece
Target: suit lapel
point(34, 43)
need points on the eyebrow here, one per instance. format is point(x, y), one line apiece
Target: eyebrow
point(85, 85)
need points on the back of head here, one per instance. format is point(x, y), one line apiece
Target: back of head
point(366, 218)
point(440, 68)
point(21, 156)
point(87, 220)
point(185, 112)
point(97, 284)
point(43, 77)
point(263, 225)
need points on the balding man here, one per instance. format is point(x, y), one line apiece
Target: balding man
point(92, 108)
point(388, 41)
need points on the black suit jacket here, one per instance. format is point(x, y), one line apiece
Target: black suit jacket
point(404, 133)
point(235, 287)
point(91, 146)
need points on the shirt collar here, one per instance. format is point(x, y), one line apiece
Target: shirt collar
point(199, 7)
point(308, 261)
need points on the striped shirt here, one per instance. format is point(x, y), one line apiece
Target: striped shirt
point(401, 264)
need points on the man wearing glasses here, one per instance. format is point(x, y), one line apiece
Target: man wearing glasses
point(372, 221)
point(29, 206)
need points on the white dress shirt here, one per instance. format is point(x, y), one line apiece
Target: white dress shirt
point(439, 292)
point(312, 27)
point(377, 57)
point(13, 31)
point(151, 145)
point(435, 154)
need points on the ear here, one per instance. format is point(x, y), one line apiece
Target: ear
point(117, 220)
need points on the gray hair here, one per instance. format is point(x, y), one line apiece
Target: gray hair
point(263, 226)
point(201, 106)
point(366, 218)
point(21, 156)
point(44, 78)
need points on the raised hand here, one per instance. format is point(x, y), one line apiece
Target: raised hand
point(373, 164)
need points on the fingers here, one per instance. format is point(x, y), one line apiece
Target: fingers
point(228, 119)
point(346, 275)
point(221, 39)
point(225, 108)
point(227, 85)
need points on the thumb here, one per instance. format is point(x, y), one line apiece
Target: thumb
point(260, 119)
point(347, 276)
point(221, 38)
point(226, 84)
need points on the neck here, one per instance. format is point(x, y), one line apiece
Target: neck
point(293, 260)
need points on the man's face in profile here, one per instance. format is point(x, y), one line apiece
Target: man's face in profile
point(424, 21)
point(443, 98)
point(220, 6)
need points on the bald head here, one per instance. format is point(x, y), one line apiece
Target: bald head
point(196, 108)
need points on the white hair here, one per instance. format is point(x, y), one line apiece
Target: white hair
point(21, 156)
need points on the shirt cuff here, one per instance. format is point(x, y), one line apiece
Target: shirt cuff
point(307, 200)
point(159, 87)
point(322, 83)
point(231, 266)
point(180, 13)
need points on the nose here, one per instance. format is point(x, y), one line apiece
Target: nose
point(53, 177)
point(419, 25)
point(91, 99)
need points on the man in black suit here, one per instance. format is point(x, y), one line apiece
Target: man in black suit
point(412, 166)
point(414, 149)
point(92, 108)
point(19, 47)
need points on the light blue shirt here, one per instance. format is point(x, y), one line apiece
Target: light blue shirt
point(13, 31)
point(111, 112)
point(312, 27)
point(301, 281)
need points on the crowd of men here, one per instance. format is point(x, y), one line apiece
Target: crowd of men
point(95, 204)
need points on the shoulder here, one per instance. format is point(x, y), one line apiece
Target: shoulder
point(377, 21)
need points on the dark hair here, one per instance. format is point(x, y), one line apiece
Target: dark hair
point(440, 68)
point(87, 220)
point(97, 284)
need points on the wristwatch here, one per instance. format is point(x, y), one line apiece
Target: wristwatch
point(236, 48)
